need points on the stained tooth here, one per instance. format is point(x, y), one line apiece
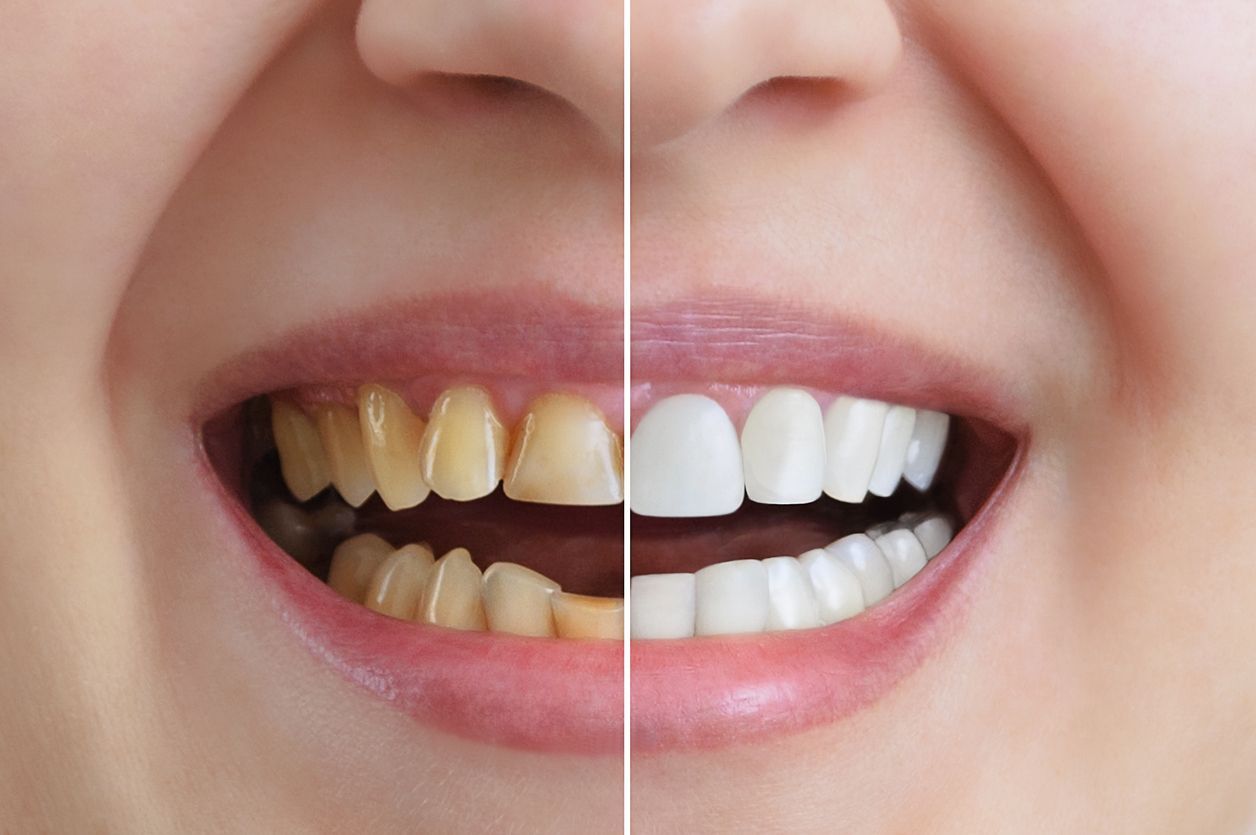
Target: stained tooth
point(892, 452)
point(837, 590)
point(353, 564)
point(732, 598)
point(517, 600)
point(564, 453)
point(934, 533)
point(686, 460)
point(302, 459)
point(662, 606)
point(391, 435)
point(581, 616)
point(291, 529)
point(463, 451)
point(342, 438)
point(865, 560)
point(924, 451)
point(782, 448)
point(397, 585)
point(791, 599)
point(452, 596)
point(852, 434)
point(904, 553)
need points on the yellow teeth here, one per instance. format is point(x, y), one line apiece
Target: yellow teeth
point(342, 438)
point(517, 600)
point(580, 616)
point(301, 456)
point(452, 597)
point(464, 447)
point(564, 453)
point(353, 565)
point(396, 588)
point(392, 436)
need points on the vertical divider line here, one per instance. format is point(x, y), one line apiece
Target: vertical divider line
point(627, 153)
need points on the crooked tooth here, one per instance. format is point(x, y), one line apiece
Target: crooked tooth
point(731, 598)
point(662, 606)
point(838, 592)
point(342, 438)
point(924, 451)
point(686, 460)
point(934, 533)
point(896, 434)
point(904, 553)
point(517, 600)
point(791, 599)
point(452, 596)
point(852, 433)
point(581, 616)
point(391, 435)
point(302, 459)
point(782, 448)
point(865, 560)
point(353, 564)
point(564, 453)
point(397, 585)
point(463, 451)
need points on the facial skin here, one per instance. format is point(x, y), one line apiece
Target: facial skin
point(1051, 194)
point(185, 183)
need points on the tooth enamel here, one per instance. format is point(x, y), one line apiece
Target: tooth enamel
point(452, 596)
point(686, 460)
point(924, 451)
point(581, 616)
point(896, 434)
point(564, 453)
point(934, 533)
point(397, 585)
point(852, 433)
point(291, 528)
point(865, 560)
point(791, 599)
point(782, 448)
point(463, 451)
point(904, 553)
point(517, 600)
point(837, 590)
point(342, 438)
point(731, 598)
point(353, 564)
point(391, 436)
point(301, 456)
point(662, 606)
point(882, 528)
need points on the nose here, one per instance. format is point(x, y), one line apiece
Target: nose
point(692, 59)
point(570, 48)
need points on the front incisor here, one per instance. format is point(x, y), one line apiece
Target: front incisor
point(517, 600)
point(581, 616)
point(342, 438)
point(354, 563)
point(396, 588)
point(453, 595)
point(464, 446)
point(302, 459)
point(564, 453)
point(392, 436)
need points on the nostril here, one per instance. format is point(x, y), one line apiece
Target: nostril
point(469, 94)
point(794, 100)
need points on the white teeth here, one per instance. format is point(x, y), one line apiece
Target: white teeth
point(934, 533)
point(904, 553)
point(791, 599)
point(662, 606)
point(892, 454)
point(852, 433)
point(865, 560)
point(782, 448)
point(837, 590)
point(924, 451)
point(732, 598)
point(686, 460)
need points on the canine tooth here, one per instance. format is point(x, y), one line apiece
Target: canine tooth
point(397, 585)
point(852, 434)
point(302, 459)
point(838, 592)
point(686, 460)
point(782, 448)
point(517, 600)
point(342, 438)
point(662, 606)
point(924, 451)
point(452, 596)
point(391, 435)
point(892, 452)
point(791, 599)
point(934, 533)
point(464, 446)
point(353, 564)
point(865, 560)
point(581, 616)
point(732, 598)
point(564, 453)
point(904, 553)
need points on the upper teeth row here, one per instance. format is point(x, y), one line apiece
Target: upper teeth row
point(688, 461)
